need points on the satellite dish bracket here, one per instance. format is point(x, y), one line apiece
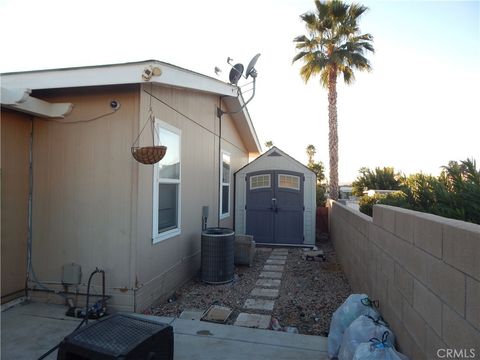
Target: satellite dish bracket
point(220, 112)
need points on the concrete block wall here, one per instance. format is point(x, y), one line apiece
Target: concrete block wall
point(423, 269)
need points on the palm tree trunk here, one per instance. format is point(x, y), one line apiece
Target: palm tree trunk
point(332, 133)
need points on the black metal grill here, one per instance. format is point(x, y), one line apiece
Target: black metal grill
point(119, 336)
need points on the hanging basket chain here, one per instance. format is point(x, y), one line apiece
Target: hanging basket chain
point(154, 128)
point(143, 128)
point(149, 154)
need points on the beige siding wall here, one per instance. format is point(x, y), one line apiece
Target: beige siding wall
point(163, 266)
point(15, 140)
point(92, 202)
point(83, 201)
point(424, 270)
point(232, 144)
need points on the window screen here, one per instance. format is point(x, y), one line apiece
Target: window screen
point(167, 207)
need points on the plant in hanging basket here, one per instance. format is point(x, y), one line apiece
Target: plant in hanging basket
point(149, 154)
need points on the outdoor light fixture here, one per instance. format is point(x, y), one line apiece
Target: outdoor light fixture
point(150, 71)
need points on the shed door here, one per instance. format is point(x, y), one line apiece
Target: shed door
point(274, 207)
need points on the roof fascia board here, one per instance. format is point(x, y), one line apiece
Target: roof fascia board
point(244, 122)
point(251, 128)
point(130, 73)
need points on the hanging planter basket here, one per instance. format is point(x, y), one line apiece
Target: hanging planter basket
point(149, 155)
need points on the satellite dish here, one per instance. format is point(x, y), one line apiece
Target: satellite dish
point(236, 73)
point(251, 67)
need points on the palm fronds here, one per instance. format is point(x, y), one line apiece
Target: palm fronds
point(333, 36)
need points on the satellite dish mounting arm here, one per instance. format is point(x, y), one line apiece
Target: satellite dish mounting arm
point(220, 112)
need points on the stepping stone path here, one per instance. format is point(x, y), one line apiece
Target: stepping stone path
point(276, 257)
point(271, 274)
point(271, 283)
point(276, 262)
point(273, 268)
point(253, 320)
point(267, 288)
point(259, 304)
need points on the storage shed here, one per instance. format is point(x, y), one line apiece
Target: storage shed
point(275, 200)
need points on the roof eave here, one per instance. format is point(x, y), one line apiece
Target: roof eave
point(244, 123)
point(118, 74)
point(150, 71)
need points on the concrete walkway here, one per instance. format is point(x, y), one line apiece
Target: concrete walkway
point(30, 330)
point(267, 289)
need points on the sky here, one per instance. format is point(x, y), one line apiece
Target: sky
point(416, 110)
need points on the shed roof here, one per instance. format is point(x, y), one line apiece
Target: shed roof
point(18, 86)
point(272, 152)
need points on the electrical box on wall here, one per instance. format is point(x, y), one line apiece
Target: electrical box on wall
point(205, 211)
point(71, 274)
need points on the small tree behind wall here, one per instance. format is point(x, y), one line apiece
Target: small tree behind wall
point(269, 144)
point(378, 179)
point(319, 169)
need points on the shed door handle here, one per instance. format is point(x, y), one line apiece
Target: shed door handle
point(274, 204)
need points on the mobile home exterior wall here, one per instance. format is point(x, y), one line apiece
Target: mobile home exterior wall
point(164, 265)
point(15, 135)
point(93, 203)
point(83, 198)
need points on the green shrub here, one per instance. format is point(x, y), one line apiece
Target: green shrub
point(396, 198)
point(454, 194)
point(420, 191)
point(459, 193)
point(321, 195)
point(378, 179)
point(319, 169)
point(366, 203)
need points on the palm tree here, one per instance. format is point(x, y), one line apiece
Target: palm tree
point(310, 153)
point(332, 47)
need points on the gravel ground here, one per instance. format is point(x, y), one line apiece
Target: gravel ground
point(310, 291)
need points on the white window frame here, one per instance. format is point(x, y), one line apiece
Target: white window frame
point(222, 184)
point(156, 236)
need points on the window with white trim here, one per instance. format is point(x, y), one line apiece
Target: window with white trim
point(225, 174)
point(167, 184)
point(260, 181)
point(289, 181)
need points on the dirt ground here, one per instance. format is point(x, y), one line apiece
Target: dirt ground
point(310, 291)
